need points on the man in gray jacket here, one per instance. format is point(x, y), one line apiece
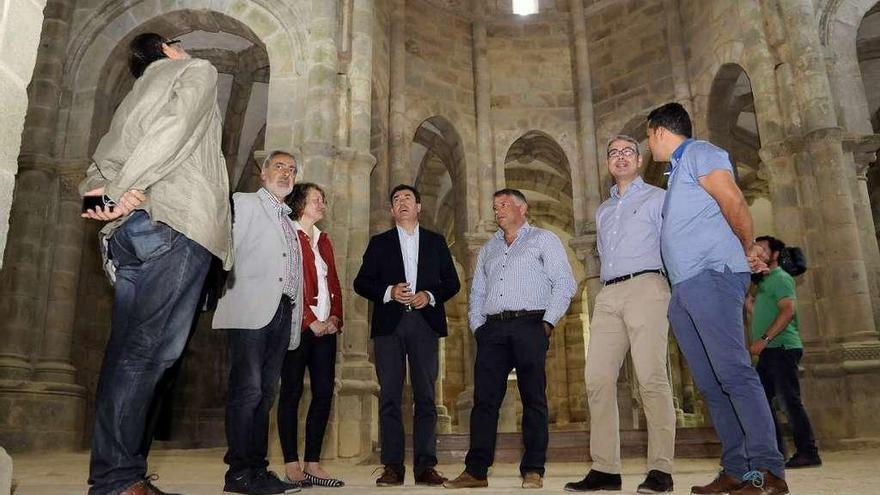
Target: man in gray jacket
point(162, 177)
point(261, 310)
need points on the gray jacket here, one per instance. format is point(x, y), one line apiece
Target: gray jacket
point(165, 140)
point(254, 286)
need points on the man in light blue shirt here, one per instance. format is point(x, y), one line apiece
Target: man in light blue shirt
point(709, 250)
point(522, 286)
point(629, 315)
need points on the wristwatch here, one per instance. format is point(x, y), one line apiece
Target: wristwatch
point(765, 338)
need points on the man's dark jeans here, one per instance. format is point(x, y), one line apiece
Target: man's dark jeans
point(160, 274)
point(255, 359)
point(778, 369)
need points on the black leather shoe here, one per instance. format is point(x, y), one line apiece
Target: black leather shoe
point(656, 482)
point(803, 461)
point(596, 481)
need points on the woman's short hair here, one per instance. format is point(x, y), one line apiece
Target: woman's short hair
point(300, 194)
point(143, 50)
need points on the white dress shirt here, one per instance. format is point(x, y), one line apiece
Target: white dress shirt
point(409, 249)
point(322, 310)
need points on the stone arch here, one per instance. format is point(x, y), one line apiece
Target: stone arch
point(437, 154)
point(732, 125)
point(275, 24)
point(459, 125)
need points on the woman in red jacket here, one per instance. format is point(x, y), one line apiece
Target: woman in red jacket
point(322, 319)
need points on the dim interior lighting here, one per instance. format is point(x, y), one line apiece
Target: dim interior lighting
point(525, 7)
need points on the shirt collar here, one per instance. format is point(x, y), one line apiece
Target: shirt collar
point(677, 154)
point(314, 234)
point(636, 184)
point(499, 234)
point(279, 206)
point(402, 231)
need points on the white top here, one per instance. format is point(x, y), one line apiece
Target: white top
point(322, 310)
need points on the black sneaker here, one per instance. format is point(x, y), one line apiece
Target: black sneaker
point(237, 485)
point(656, 482)
point(596, 481)
point(267, 483)
point(803, 461)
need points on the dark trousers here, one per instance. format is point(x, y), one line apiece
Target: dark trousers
point(778, 369)
point(160, 273)
point(318, 354)
point(255, 358)
point(416, 342)
point(502, 346)
point(706, 313)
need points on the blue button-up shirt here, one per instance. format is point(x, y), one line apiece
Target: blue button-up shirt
point(629, 230)
point(531, 274)
point(695, 235)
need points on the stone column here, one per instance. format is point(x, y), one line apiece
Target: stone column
point(861, 151)
point(487, 175)
point(681, 80)
point(846, 312)
point(465, 401)
point(349, 228)
point(54, 364)
point(398, 143)
point(236, 108)
point(585, 207)
point(319, 146)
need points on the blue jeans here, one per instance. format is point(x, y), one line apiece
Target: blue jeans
point(255, 359)
point(160, 274)
point(706, 317)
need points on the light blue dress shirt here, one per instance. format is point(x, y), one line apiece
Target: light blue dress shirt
point(628, 229)
point(695, 235)
point(531, 274)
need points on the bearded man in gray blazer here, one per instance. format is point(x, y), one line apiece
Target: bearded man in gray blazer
point(261, 312)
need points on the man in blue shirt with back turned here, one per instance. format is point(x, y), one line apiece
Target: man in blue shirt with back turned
point(708, 250)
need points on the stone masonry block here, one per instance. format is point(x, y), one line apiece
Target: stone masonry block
point(21, 36)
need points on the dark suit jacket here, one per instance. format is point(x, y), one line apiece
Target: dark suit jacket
point(383, 266)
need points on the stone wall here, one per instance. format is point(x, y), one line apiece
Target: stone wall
point(21, 22)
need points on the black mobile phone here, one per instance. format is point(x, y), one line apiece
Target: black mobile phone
point(93, 202)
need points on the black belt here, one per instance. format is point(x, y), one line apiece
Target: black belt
point(511, 315)
point(632, 275)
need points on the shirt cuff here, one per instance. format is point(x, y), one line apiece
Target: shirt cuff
point(431, 299)
point(387, 298)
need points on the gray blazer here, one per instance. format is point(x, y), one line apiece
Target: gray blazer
point(254, 286)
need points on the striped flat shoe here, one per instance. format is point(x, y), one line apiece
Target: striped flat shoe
point(326, 482)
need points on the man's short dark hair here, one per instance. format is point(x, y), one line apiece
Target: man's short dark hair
point(673, 117)
point(143, 50)
point(298, 197)
point(405, 187)
point(776, 246)
point(516, 193)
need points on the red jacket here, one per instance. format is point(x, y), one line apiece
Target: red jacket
point(310, 279)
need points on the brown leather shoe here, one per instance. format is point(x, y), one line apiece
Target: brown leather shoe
point(762, 482)
point(137, 488)
point(532, 480)
point(721, 485)
point(465, 480)
point(389, 477)
point(430, 477)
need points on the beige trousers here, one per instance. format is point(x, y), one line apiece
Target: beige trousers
point(630, 315)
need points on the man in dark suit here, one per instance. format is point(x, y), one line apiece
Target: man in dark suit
point(407, 273)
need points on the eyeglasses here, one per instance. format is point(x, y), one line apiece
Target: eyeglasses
point(171, 42)
point(626, 152)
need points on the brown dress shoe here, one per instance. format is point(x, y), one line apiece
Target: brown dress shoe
point(430, 477)
point(389, 477)
point(762, 482)
point(721, 485)
point(465, 480)
point(137, 488)
point(532, 480)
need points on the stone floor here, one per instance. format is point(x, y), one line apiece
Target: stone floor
point(200, 472)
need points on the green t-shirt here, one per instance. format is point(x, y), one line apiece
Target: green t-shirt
point(776, 285)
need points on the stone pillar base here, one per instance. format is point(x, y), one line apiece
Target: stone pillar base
point(357, 403)
point(463, 404)
point(39, 416)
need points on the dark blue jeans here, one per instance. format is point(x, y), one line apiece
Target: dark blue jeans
point(706, 317)
point(255, 359)
point(160, 274)
point(778, 369)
